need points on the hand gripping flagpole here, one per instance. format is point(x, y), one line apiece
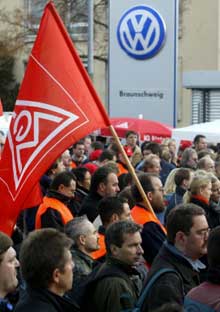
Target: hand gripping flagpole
point(132, 171)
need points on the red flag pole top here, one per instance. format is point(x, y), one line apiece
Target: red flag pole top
point(56, 106)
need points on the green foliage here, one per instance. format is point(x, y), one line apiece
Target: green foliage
point(8, 85)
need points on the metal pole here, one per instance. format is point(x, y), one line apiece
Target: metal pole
point(90, 38)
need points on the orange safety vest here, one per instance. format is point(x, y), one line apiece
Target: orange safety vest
point(142, 216)
point(121, 169)
point(102, 250)
point(55, 204)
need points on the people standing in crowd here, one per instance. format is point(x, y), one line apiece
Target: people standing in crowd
point(116, 284)
point(189, 159)
point(83, 181)
point(54, 211)
point(207, 164)
point(110, 209)
point(47, 269)
point(153, 233)
point(66, 159)
point(205, 297)
point(151, 164)
point(199, 142)
point(131, 141)
point(213, 215)
point(85, 241)
point(182, 179)
point(78, 154)
point(199, 192)
point(187, 235)
point(104, 183)
point(8, 272)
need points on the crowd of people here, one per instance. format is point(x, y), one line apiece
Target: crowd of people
point(93, 244)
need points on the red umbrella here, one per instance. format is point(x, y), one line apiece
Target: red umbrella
point(147, 129)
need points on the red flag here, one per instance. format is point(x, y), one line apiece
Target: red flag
point(56, 106)
point(1, 108)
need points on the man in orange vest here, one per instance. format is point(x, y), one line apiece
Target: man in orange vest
point(111, 209)
point(153, 233)
point(54, 211)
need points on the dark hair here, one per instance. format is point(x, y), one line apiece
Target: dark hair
point(125, 179)
point(180, 175)
point(99, 176)
point(213, 248)
point(80, 173)
point(109, 206)
point(81, 142)
point(5, 243)
point(169, 307)
point(53, 166)
point(146, 182)
point(198, 137)
point(97, 145)
point(153, 147)
point(62, 178)
point(129, 132)
point(115, 234)
point(181, 219)
point(106, 154)
point(41, 253)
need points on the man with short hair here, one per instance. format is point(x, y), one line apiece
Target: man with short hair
point(131, 141)
point(54, 211)
point(116, 284)
point(151, 164)
point(153, 233)
point(8, 271)
point(85, 241)
point(110, 209)
point(187, 234)
point(78, 156)
point(200, 142)
point(47, 269)
point(104, 183)
point(189, 159)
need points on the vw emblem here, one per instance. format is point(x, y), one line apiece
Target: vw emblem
point(141, 32)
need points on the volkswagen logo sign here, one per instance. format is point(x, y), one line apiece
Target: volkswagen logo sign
point(141, 32)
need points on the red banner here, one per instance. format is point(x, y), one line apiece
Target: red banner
point(1, 108)
point(56, 106)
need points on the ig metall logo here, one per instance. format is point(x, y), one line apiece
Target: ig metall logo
point(141, 32)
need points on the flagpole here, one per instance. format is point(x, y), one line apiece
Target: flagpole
point(132, 171)
point(90, 38)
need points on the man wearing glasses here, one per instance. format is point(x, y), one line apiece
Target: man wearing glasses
point(187, 235)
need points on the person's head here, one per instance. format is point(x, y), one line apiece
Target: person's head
point(206, 163)
point(79, 149)
point(153, 189)
point(113, 209)
point(151, 148)
point(213, 248)
point(46, 261)
point(189, 158)
point(215, 196)
point(187, 230)
point(56, 167)
point(106, 156)
point(64, 183)
point(151, 164)
point(87, 143)
point(200, 186)
point(131, 138)
point(83, 233)
point(8, 266)
point(83, 177)
point(200, 142)
point(66, 158)
point(104, 182)
point(123, 241)
point(183, 178)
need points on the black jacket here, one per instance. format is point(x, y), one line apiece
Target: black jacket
point(90, 206)
point(170, 287)
point(43, 300)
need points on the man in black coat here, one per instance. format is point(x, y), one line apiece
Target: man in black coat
point(187, 235)
point(47, 268)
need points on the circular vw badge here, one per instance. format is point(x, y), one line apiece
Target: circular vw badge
point(141, 32)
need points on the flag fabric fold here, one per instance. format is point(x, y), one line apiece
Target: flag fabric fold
point(56, 106)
